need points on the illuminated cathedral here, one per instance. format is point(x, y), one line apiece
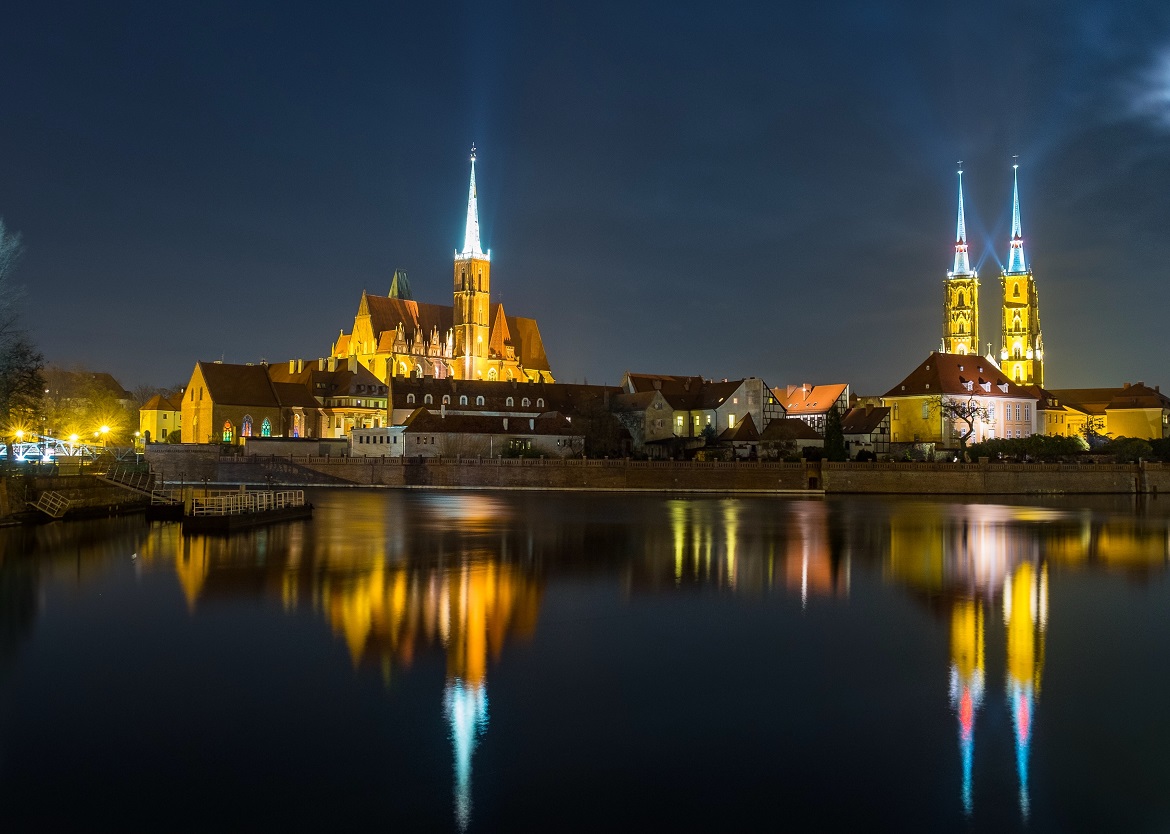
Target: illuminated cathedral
point(394, 335)
point(1021, 354)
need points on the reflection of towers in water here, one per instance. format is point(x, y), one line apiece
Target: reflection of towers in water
point(967, 681)
point(1025, 617)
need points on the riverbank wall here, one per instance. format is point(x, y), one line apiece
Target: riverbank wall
point(88, 496)
point(192, 464)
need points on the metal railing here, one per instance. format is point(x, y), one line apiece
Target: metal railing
point(239, 503)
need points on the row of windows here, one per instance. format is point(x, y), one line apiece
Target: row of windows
point(375, 439)
point(510, 403)
point(229, 430)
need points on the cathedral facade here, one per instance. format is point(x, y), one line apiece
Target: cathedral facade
point(395, 336)
point(1021, 353)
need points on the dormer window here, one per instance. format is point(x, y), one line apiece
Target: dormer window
point(540, 402)
point(524, 403)
point(446, 399)
point(479, 400)
point(510, 402)
point(463, 399)
point(410, 399)
point(428, 400)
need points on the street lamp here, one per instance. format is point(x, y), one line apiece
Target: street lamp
point(103, 431)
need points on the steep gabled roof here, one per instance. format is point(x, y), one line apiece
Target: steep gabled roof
point(789, 428)
point(862, 420)
point(809, 399)
point(1098, 400)
point(958, 375)
point(238, 384)
point(745, 431)
point(528, 344)
point(385, 313)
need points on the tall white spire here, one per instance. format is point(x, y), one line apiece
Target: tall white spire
point(1016, 253)
point(962, 263)
point(471, 246)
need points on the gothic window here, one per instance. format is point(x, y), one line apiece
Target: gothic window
point(961, 301)
point(403, 370)
point(446, 399)
point(296, 430)
point(246, 428)
point(962, 330)
point(266, 428)
point(479, 400)
point(479, 283)
point(510, 402)
point(492, 374)
point(463, 399)
point(428, 400)
point(417, 372)
point(229, 431)
point(1015, 290)
point(463, 279)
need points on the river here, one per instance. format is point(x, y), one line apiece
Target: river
point(495, 661)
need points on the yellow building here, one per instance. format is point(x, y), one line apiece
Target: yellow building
point(159, 417)
point(961, 295)
point(1133, 410)
point(394, 335)
point(945, 382)
point(1022, 352)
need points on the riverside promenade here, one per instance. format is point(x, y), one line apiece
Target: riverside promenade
point(195, 464)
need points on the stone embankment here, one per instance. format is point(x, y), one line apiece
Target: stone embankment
point(193, 464)
point(87, 496)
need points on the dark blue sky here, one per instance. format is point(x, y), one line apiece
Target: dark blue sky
point(678, 188)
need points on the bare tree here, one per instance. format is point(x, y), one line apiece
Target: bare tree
point(962, 415)
point(21, 383)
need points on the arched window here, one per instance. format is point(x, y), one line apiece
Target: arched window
point(1019, 375)
point(962, 330)
point(1015, 290)
point(403, 370)
point(479, 400)
point(961, 299)
point(492, 374)
point(410, 399)
point(296, 430)
point(509, 375)
point(510, 402)
point(266, 428)
point(446, 399)
point(463, 399)
point(463, 279)
point(524, 402)
point(479, 283)
point(246, 428)
point(963, 349)
point(540, 403)
point(229, 431)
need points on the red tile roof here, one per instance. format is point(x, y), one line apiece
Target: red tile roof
point(958, 375)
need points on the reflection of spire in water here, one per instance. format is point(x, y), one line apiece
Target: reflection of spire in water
point(1025, 601)
point(467, 715)
point(967, 680)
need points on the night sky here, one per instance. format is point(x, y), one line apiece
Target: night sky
point(688, 188)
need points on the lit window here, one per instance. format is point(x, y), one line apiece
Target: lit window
point(246, 428)
point(228, 431)
point(446, 399)
point(524, 402)
point(510, 402)
point(730, 421)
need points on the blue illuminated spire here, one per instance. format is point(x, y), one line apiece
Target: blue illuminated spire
point(962, 264)
point(471, 246)
point(1016, 255)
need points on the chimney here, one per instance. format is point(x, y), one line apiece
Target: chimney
point(806, 387)
point(353, 364)
point(505, 424)
point(868, 407)
point(790, 389)
point(443, 410)
point(1124, 385)
point(332, 363)
point(292, 366)
point(300, 365)
point(321, 364)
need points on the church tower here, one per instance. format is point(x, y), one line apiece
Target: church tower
point(961, 299)
point(471, 323)
point(1022, 353)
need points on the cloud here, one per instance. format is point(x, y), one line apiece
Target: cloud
point(1151, 93)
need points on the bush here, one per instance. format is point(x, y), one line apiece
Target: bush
point(1040, 447)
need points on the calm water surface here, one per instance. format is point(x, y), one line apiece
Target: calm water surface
point(559, 662)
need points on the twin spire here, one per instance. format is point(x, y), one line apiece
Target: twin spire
point(962, 263)
point(1016, 265)
point(471, 245)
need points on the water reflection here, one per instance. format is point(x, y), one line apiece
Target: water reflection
point(462, 576)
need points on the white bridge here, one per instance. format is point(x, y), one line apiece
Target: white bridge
point(47, 449)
